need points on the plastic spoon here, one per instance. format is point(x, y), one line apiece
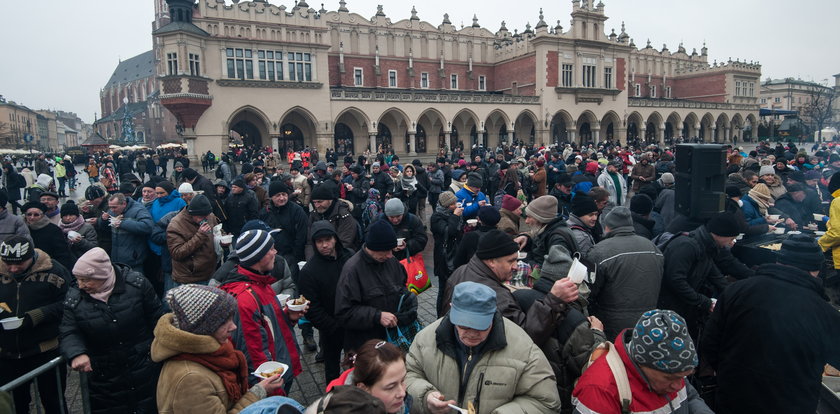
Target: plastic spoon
point(458, 409)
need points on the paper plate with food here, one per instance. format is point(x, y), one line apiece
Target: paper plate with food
point(270, 369)
point(297, 304)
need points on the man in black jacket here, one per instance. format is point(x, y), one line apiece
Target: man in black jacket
point(33, 286)
point(318, 280)
point(771, 335)
point(411, 233)
point(447, 229)
point(201, 183)
point(292, 222)
point(241, 205)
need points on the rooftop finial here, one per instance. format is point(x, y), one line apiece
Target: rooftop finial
point(446, 18)
point(414, 13)
point(475, 21)
point(379, 11)
point(542, 22)
point(342, 6)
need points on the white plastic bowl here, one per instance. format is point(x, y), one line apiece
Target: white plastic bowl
point(11, 323)
point(773, 216)
point(819, 217)
point(472, 222)
point(301, 264)
point(779, 230)
point(283, 297)
point(296, 308)
point(266, 369)
point(226, 239)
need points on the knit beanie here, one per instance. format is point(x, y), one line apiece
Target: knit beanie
point(322, 191)
point(185, 188)
point(238, 183)
point(94, 192)
point(200, 309)
point(489, 216)
point(474, 180)
point(797, 176)
point(69, 208)
point(661, 341)
point(252, 246)
point(510, 203)
point(190, 174)
point(641, 204)
point(724, 225)
point(801, 251)
point(456, 174)
point(591, 168)
point(812, 175)
point(34, 204)
point(394, 207)
point(381, 236)
point(618, 217)
point(94, 264)
point(277, 187)
point(447, 198)
point(834, 183)
point(166, 186)
point(200, 206)
point(495, 243)
point(374, 165)
point(732, 191)
point(761, 192)
point(582, 205)
point(542, 209)
point(667, 178)
point(766, 169)
point(556, 265)
point(833, 158)
point(17, 249)
point(127, 188)
point(52, 194)
point(149, 184)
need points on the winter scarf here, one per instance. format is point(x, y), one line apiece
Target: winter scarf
point(228, 363)
point(74, 226)
point(41, 223)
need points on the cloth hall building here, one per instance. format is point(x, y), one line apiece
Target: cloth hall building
point(295, 77)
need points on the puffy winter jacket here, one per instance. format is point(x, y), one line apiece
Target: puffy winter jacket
point(508, 374)
point(293, 223)
point(36, 296)
point(124, 376)
point(160, 207)
point(128, 241)
point(193, 253)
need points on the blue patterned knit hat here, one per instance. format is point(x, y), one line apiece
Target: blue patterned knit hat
point(661, 341)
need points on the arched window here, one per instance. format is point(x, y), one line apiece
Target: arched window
point(383, 137)
point(343, 139)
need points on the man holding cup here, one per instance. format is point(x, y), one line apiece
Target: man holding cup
point(189, 238)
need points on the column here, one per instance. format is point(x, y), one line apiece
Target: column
point(642, 133)
point(324, 141)
point(713, 136)
point(372, 136)
point(620, 133)
point(275, 143)
point(596, 135)
point(571, 134)
point(412, 141)
point(660, 137)
point(726, 137)
point(447, 137)
point(189, 139)
point(480, 138)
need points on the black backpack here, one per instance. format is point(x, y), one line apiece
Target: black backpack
point(219, 173)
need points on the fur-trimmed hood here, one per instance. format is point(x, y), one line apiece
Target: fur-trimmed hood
point(170, 341)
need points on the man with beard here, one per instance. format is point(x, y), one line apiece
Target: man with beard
point(318, 280)
point(327, 206)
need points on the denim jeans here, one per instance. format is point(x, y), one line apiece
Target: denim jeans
point(271, 405)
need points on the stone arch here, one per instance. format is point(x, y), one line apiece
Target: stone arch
point(753, 130)
point(722, 133)
point(562, 127)
point(691, 126)
point(737, 128)
point(465, 125)
point(351, 130)
point(392, 129)
point(250, 126)
point(610, 127)
point(653, 128)
point(673, 127)
point(429, 132)
point(706, 125)
point(497, 128)
point(298, 129)
point(587, 127)
point(525, 127)
point(635, 126)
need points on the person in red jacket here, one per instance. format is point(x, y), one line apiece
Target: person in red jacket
point(656, 356)
point(265, 327)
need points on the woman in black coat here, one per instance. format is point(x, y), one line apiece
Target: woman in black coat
point(13, 182)
point(107, 331)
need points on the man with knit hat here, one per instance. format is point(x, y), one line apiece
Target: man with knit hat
point(265, 330)
point(96, 203)
point(189, 239)
point(547, 229)
point(33, 286)
point(612, 180)
point(290, 219)
point(771, 335)
point(626, 262)
point(493, 265)
point(447, 230)
point(695, 266)
point(488, 218)
point(241, 205)
point(641, 205)
point(50, 199)
point(653, 359)
point(407, 226)
point(582, 220)
point(471, 197)
point(327, 206)
point(370, 289)
point(474, 357)
point(794, 207)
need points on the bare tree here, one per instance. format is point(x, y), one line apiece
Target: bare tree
point(820, 108)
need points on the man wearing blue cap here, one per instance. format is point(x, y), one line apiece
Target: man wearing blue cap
point(473, 357)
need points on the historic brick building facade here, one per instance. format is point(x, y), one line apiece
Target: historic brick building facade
point(298, 76)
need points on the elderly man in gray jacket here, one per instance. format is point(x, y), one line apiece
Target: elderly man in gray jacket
point(629, 275)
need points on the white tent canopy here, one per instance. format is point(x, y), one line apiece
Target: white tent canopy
point(17, 151)
point(128, 148)
point(171, 145)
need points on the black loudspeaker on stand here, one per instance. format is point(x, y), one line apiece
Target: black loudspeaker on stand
point(700, 180)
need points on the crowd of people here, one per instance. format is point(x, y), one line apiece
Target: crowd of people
point(568, 281)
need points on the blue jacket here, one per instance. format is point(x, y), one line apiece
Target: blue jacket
point(751, 213)
point(160, 207)
point(469, 202)
point(128, 242)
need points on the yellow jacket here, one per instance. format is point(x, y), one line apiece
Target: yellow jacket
point(831, 239)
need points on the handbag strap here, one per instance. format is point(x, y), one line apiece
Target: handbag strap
point(625, 395)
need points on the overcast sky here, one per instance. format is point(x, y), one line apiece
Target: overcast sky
point(59, 54)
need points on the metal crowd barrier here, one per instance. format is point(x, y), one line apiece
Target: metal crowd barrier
point(53, 364)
